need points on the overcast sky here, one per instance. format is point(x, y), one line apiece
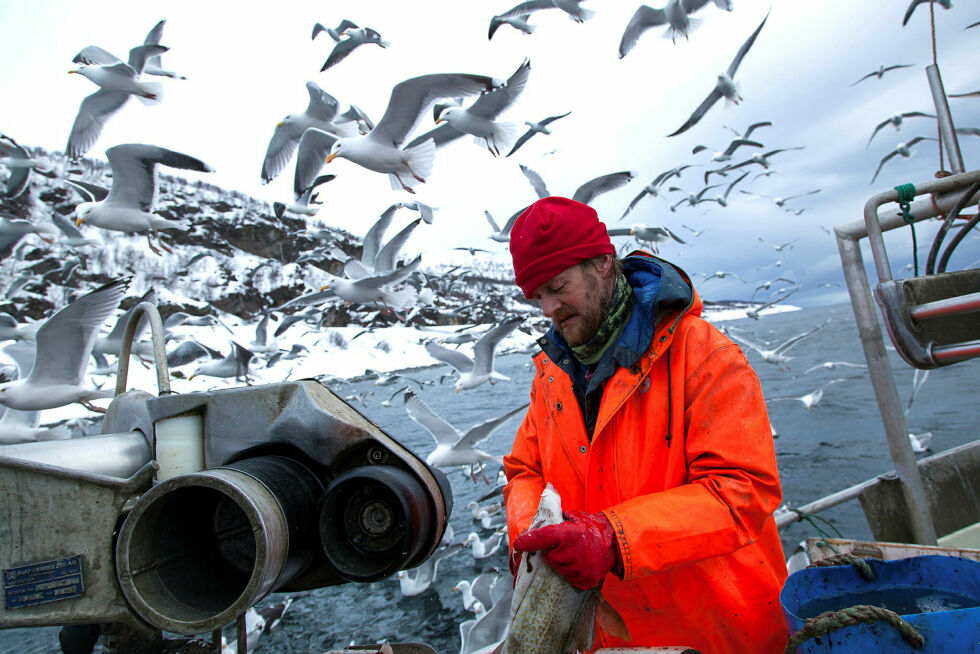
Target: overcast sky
point(247, 65)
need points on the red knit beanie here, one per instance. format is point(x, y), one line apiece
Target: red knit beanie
point(551, 235)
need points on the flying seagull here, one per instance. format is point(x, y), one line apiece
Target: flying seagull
point(478, 119)
point(128, 206)
point(776, 355)
point(517, 22)
point(153, 65)
point(21, 164)
point(453, 447)
point(903, 149)
point(727, 153)
point(881, 72)
point(479, 369)
point(64, 345)
point(587, 191)
point(321, 113)
point(352, 38)
point(675, 14)
point(380, 149)
point(725, 86)
point(335, 32)
point(535, 128)
point(117, 81)
point(502, 235)
point(897, 121)
point(573, 8)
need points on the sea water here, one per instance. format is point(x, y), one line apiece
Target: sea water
point(838, 443)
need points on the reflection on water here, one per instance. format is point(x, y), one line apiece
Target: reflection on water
point(837, 443)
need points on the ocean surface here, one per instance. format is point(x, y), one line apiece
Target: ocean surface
point(837, 443)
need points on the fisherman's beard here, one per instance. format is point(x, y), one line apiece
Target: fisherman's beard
point(588, 318)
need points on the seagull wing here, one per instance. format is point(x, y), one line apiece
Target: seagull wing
point(144, 321)
point(492, 104)
point(527, 7)
point(23, 354)
point(493, 223)
point(736, 181)
point(389, 277)
point(93, 55)
point(512, 220)
point(419, 411)
point(754, 126)
point(536, 182)
point(188, 352)
point(314, 146)
point(410, 99)
point(699, 113)
point(457, 360)
point(371, 243)
point(737, 143)
point(745, 48)
point(385, 260)
point(340, 51)
point(484, 348)
point(551, 119)
point(643, 19)
point(877, 129)
point(65, 340)
point(89, 192)
point(141, 54)
point(633, 204)
point(521, 141)
point(322, 105)
point(93, 114)
point(133, 167)
point(66, 226)
point(440, 135)
point(882, 163)
point(281, 147)
point(154, 35)
point(602, 184)
point(481, 431)
point(785, 345)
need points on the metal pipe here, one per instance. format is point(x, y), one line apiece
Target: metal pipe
point(956, 351)
point(111, 455)
point(159, 349)
point(948, 307)
point(945, 118)
point(922, 209)
point(787, 517)
point(883, 382)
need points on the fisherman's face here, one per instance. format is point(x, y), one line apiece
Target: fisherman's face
point(577, 298)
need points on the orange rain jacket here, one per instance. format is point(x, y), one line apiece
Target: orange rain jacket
point(682, 463)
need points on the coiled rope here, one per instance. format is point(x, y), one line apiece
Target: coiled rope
point(844, 558)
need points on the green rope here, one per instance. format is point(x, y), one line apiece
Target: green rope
point(845, 558)
point(906, 193)
point(833, 620)
point(812, 519)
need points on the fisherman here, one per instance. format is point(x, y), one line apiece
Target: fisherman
point(652, 427)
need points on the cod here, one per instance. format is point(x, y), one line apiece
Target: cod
point(547, 614)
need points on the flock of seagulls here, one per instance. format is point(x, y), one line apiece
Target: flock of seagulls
point(51, 358)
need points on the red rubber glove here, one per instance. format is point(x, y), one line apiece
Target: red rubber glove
point(582, 549)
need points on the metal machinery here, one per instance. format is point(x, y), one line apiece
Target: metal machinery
point(191, 508)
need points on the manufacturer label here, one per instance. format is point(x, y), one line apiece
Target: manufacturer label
point(47, 581)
